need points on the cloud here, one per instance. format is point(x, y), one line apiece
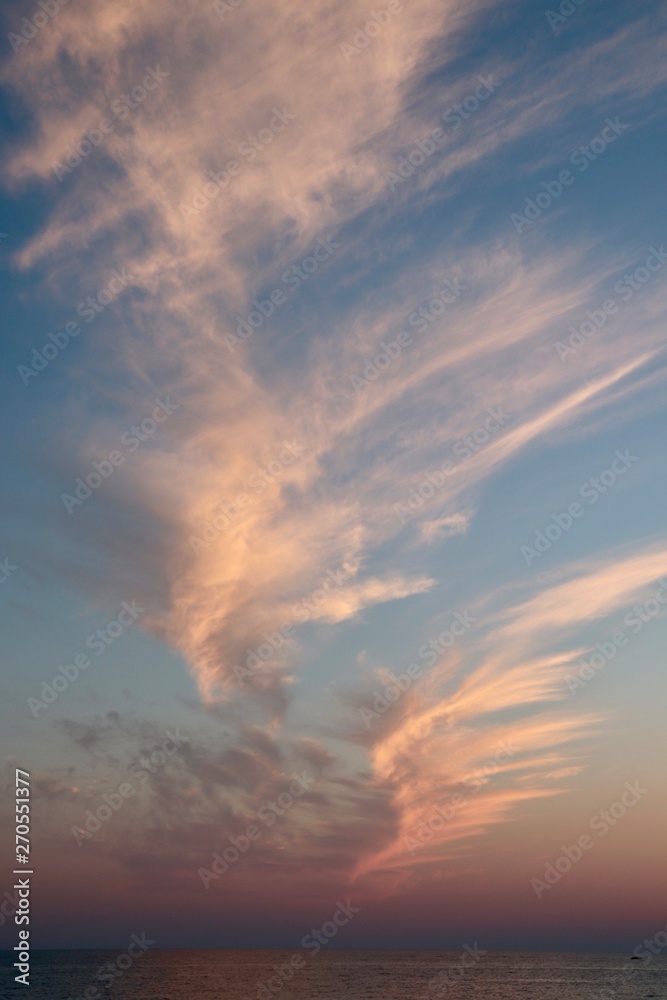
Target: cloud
point(590, 590)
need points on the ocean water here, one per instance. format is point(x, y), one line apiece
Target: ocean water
point(336, 975)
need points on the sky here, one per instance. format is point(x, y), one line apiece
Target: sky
point(333, 494)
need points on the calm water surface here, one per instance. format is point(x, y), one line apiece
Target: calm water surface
point(336, 975)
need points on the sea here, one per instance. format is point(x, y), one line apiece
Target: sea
point(336, 975)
